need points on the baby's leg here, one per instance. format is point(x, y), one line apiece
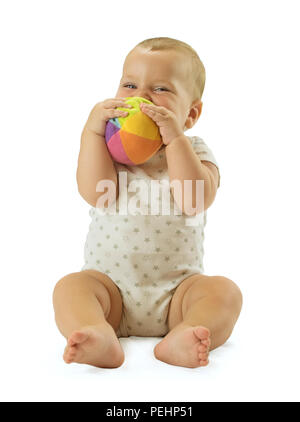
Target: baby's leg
point(88, 309)
point(202, 315)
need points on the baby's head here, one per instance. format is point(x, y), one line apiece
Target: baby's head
point(167, 72)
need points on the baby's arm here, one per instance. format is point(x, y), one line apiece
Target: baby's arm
point(184, 164)
point(94, 160)
point(94, 164)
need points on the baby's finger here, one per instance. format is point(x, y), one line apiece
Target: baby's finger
point(119, 112)
point(123, 104)
point(114, 103)
point(150, 109)
point(112, 113)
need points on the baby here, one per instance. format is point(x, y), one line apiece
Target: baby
point(143, 273)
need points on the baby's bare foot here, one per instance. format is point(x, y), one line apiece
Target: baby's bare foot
point(185, 345)
point(95, 345)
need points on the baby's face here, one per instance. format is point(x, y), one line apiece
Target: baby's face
point(158, 76)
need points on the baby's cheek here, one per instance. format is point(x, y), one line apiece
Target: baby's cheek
point(121, 93)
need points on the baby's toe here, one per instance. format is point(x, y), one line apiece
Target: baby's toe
point(202, 333)
point(69, 354)
point(203, 356)
point(206, 342)
point(77, 337)
point(202, 348)
point(66, 358)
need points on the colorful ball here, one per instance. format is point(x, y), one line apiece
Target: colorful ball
point(135, 138)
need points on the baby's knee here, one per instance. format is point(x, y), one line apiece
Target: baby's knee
point(232, 293)
point(226, 292)
point(66, 283)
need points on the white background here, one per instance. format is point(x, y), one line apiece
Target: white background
point(59, 58)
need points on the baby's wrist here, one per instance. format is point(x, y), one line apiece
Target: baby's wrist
point(176, 141)
point(91, 130)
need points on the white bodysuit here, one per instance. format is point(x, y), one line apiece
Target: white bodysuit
point(146, 256)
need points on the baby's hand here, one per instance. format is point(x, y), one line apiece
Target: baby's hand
point(165, 120)
point(104, 111)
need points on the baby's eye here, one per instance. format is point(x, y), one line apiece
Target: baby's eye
point(128, 85)
point(162, 88)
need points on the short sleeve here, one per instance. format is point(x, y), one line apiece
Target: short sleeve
point(204, 152)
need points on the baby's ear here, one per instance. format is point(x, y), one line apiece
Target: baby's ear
point(187, 123)
point(199, 106)
point(197, 111)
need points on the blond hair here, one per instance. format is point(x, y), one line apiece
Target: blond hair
point(197, 70)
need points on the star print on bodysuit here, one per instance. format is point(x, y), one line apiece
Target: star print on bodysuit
point(147, 256)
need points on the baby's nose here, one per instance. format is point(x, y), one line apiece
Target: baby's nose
point(143, 94)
